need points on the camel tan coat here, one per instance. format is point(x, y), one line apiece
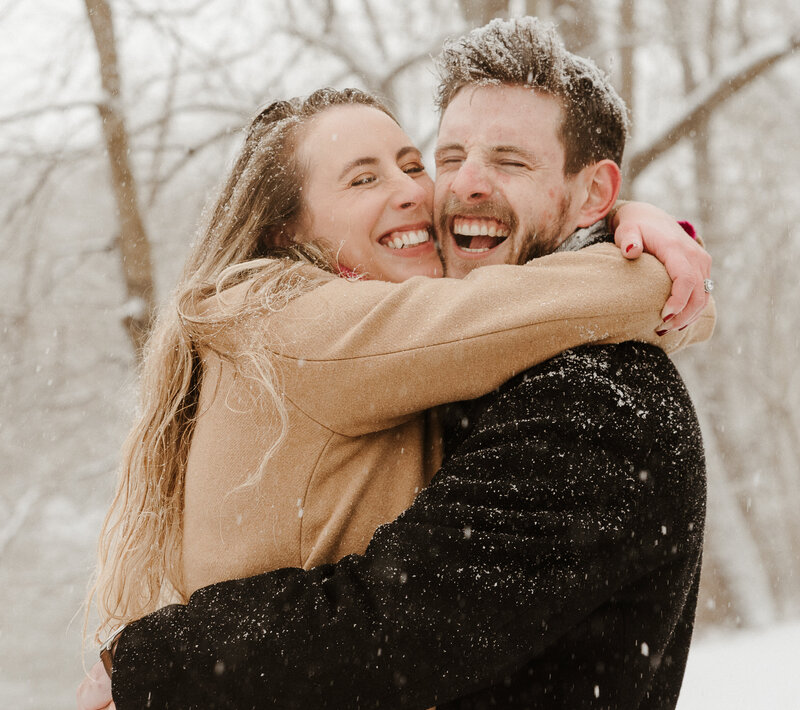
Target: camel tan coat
point(358, 365)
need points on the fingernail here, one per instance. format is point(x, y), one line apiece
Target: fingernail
point(684, 327)
point(669, 317)
point(629, 247)
point(662, 332)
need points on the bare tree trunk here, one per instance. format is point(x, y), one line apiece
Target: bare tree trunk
point(730, 544)
point(705, 179)
point(627, 35)
point(627, 68)
point(542, 9)
point(576, 20)
point(133, 241)
point(479, 12)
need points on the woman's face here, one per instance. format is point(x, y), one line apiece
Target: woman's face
point(367, 195)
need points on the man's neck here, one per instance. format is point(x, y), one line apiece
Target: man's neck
point(586, 236)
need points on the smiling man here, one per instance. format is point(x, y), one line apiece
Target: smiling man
point(553, 560)
point(503, 193)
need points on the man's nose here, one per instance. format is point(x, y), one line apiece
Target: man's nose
point(471, 183)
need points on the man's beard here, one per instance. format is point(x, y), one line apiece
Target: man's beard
point(536, 243)
point(529, 245)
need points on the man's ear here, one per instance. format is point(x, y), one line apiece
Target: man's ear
point(602, 182)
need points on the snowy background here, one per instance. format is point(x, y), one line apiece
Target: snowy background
point(713, 88)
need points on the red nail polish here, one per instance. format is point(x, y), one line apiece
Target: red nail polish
point(669, 317)
point(684, 327)
point(662, 332)
point(629, 247)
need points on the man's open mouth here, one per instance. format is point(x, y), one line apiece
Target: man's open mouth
point(477, 235)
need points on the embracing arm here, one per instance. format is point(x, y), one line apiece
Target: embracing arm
point(358, 357)
point(491, 565)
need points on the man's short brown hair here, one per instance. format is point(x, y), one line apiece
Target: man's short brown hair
point(527, 52)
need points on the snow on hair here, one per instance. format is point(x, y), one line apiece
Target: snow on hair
point(527, 52)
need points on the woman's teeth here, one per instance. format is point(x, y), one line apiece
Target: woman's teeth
point(399, 240)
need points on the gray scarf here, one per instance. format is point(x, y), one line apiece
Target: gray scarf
point(586, 236)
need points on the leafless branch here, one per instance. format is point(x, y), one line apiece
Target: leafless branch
point(175, 12)
point(377, 32)
point(209, 64)
point(237, 112)
point(408, 62)
point(30, 113)
point(627, 25)
point(479, 12)
point(190, 154)
point(163, 124)
point(32, 193)
point(710, 96)
point(355, 64)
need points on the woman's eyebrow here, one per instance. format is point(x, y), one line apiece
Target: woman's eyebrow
point(406, 150)
point(356, 163)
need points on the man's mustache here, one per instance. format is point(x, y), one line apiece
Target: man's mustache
point(492, 209)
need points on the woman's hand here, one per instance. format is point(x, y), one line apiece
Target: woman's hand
point(640, 226)
point(94, 693)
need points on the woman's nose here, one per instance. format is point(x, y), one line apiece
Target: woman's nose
point(410, 192)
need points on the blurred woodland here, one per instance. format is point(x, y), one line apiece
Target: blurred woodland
point(118, 118)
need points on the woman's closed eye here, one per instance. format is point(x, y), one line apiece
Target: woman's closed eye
point(363, 179)
point(413, 168)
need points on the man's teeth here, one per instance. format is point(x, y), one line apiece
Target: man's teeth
point(478, 235)
point(398, 240)
point(479, 227)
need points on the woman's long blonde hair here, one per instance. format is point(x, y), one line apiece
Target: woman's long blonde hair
point(247, 237)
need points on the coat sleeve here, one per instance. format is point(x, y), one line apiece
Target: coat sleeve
point(362, 357)
point(540, 514)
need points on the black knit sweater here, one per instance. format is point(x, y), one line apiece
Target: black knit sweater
point(552, 562)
